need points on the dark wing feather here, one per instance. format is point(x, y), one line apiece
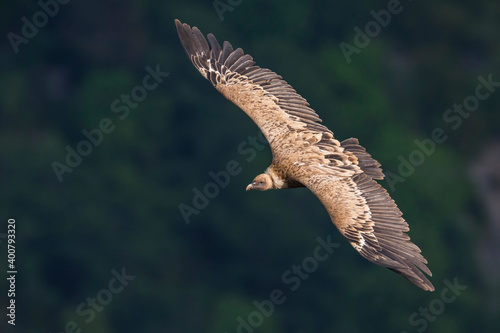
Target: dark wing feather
point(368, 164)
point(389, 230)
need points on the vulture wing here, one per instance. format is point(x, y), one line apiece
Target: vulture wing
point(271, 102)
point(340, 174)
point(366, 215)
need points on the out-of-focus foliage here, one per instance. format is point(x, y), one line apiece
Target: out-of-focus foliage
point(119, 207)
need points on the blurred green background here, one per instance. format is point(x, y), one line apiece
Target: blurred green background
point(118, 210)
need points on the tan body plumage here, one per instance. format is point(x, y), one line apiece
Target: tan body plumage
point(305, 153)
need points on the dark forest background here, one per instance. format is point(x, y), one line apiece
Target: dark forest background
point(117, 211)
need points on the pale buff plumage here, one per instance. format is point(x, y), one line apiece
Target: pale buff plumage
point(305, 153)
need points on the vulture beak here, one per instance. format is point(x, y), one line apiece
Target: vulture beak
point(249, 187)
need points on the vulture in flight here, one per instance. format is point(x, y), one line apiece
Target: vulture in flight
point(306, 154)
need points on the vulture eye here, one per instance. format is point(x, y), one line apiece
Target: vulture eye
point(261, 183)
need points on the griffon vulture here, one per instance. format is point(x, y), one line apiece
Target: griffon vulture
point(305, 153)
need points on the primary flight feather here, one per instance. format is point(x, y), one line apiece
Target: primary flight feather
point(305, 153)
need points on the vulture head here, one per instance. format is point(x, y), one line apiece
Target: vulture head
point(262, 182)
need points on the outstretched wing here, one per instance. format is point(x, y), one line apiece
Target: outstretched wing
point(366, 215)
point(283, 116)
point(271, 102)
